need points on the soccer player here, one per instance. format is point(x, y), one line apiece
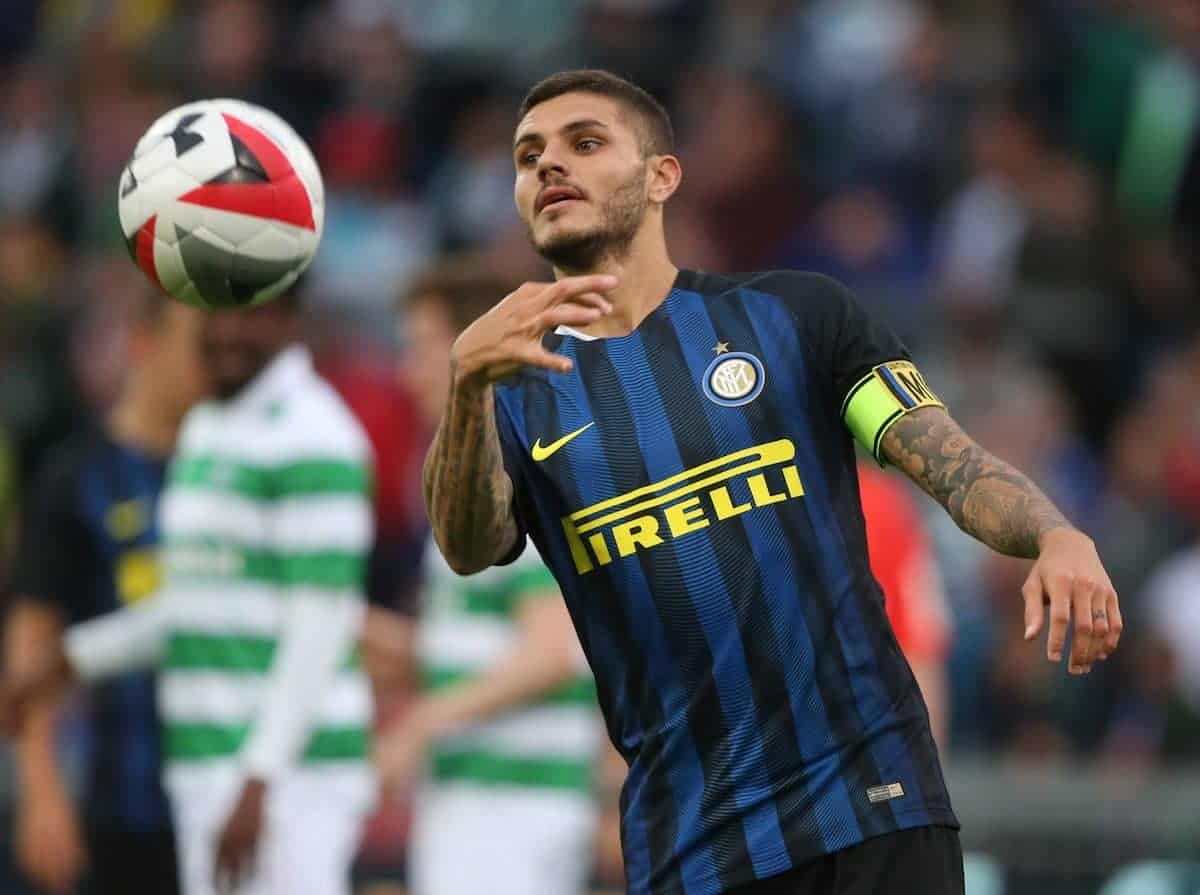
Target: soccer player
point(266, 520)
point(506, 732)
point(89, 548)
point(678, 446)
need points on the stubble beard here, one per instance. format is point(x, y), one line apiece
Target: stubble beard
point(583, 251)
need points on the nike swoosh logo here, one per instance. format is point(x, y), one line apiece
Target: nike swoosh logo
point(540, 453)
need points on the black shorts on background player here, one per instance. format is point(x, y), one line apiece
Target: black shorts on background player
point(89, 548)
point(704, 524)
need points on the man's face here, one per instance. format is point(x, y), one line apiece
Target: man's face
point(237, 345)
point(429, 335)
point(581, 179)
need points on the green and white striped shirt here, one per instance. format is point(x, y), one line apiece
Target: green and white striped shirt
point(467, 625)
point(266, 523)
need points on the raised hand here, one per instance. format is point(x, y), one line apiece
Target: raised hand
point(509, 336)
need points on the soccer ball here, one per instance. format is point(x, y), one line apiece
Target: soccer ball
point(222, 204)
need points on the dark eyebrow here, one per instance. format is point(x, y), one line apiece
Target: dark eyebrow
point(581, 124)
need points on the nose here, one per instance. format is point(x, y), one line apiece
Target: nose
point(550, 162)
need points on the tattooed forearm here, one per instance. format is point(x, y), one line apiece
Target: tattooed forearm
point(468, 494)
point(989, 499)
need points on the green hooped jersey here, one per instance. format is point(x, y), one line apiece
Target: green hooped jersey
point(267, 501)
point(467, 625)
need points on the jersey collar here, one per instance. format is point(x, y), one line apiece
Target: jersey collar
point(287, 371)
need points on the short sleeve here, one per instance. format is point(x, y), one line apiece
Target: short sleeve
point(510, 448)
point(49, 566)
point(867, 369)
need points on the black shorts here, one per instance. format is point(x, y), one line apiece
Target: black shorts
point(925, 860)
point(128, 863)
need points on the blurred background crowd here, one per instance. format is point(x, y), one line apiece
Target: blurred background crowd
point(1013, 184)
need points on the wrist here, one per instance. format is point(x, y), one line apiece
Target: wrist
point(1056, 533)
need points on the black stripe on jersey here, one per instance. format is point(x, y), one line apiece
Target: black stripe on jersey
point(777, 725)
point(723, 829)
point(729, 318)
point(662, 830)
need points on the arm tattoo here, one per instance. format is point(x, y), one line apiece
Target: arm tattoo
point(989, 499)
point(468, 494)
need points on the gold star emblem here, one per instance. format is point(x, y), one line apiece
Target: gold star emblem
point(721, 348)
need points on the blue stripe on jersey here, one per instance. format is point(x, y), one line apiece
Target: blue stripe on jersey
point(555, 553)
point(833, 809)
point(776, 333)
point(752, 788)
point(697, 865)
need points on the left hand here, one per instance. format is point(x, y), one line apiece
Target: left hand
point(1069, 577)
point(239, 840)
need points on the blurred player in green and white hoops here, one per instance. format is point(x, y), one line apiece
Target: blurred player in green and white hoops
point(265, 709)
point(503, 742)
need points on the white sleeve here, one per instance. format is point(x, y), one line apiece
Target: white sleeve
point(318, 636)
point(129, 639)
point(325, 608)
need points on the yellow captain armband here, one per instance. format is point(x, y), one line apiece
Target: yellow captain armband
point(880, 398)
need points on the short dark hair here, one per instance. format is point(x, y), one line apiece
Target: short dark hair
point(657, 135)
point(466, 287)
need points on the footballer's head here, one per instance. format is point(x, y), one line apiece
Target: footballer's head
point(594, 166)
point(439, 303)
point(238, 344)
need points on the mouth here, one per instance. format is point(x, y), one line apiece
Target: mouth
point(555, 195)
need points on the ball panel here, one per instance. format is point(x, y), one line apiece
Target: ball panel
point(230, 226)
point(144, 251)
point(171, 273)
point(273, 243)
point(152, 195)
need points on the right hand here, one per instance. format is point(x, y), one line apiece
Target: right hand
point(509, 336)
point(48, 842)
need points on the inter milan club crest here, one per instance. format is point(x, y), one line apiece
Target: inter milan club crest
point(733, 378)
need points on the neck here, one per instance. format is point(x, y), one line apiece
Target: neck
point(645, 275)
point(140, 421)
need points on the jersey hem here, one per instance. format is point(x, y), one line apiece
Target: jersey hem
point(913, 818)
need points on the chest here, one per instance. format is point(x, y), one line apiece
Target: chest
point(652, 440)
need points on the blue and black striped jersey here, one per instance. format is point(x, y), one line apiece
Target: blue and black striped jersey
point(692, 485)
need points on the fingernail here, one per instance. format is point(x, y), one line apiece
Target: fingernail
point(1055, 657)
point(1029, 632)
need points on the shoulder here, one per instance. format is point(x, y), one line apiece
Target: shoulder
point(787, 285)
point(314, 421)
point(806, 295)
